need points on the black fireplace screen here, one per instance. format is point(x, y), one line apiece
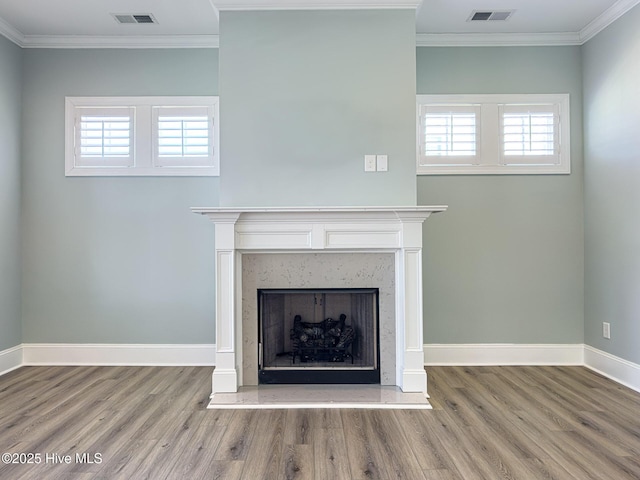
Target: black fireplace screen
point(326, 330)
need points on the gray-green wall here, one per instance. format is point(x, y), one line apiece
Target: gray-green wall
point(504, 264)
point(10, 112)
point(612, 187)
point(305, 95)
point(123, 260)
point(112, 259)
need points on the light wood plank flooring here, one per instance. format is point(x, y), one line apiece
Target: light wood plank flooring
point(487, 423)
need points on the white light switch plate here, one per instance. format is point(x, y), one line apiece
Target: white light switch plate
point(382, 163)
point(369, 163)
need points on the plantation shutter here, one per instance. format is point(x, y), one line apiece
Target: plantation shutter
point(183, 133)
point(530, 134)
point(103, 136)
point(450, 131)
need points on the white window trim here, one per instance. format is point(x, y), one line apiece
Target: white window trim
point(143, 148)
point(489, 145)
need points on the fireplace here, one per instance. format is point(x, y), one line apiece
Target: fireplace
point(316, 247)
point(318, 336)
point(314, 271)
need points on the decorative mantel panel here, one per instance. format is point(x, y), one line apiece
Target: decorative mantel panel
point(314, 230)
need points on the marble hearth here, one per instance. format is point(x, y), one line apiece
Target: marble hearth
point(313, 247)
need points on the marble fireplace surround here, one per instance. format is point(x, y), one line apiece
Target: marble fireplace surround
point(306, 247)
point(318, 271)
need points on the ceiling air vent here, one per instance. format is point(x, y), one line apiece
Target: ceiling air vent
point(483, 16)
point(135, 19)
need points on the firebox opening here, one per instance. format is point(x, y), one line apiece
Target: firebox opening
point(318, 336)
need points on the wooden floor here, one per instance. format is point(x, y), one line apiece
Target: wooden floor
point(151, 422)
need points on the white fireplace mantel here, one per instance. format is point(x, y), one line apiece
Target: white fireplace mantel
point(242, 230)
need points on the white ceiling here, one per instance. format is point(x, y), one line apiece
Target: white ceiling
point(83, 23)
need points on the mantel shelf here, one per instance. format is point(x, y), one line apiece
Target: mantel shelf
point(319, 214)
point(227, 210)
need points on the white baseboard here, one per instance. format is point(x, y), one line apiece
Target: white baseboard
point(118, 354)
point(617, 369)
point(503, 354)
point(10, 359)
point(620, 370)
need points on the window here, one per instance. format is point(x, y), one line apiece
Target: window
point(449, 134)
point(120, 136)
point(183, 135)
point(493, 134)
point(528, 134)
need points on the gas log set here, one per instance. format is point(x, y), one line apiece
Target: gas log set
point(326, 341)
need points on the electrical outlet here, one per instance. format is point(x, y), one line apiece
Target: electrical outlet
point(606, 330)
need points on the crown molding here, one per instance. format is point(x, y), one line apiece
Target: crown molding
point(496, 39)
point(243, 5)
point(11, 33)
point(609, 16)
point(120, 41)
point(422, 39)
